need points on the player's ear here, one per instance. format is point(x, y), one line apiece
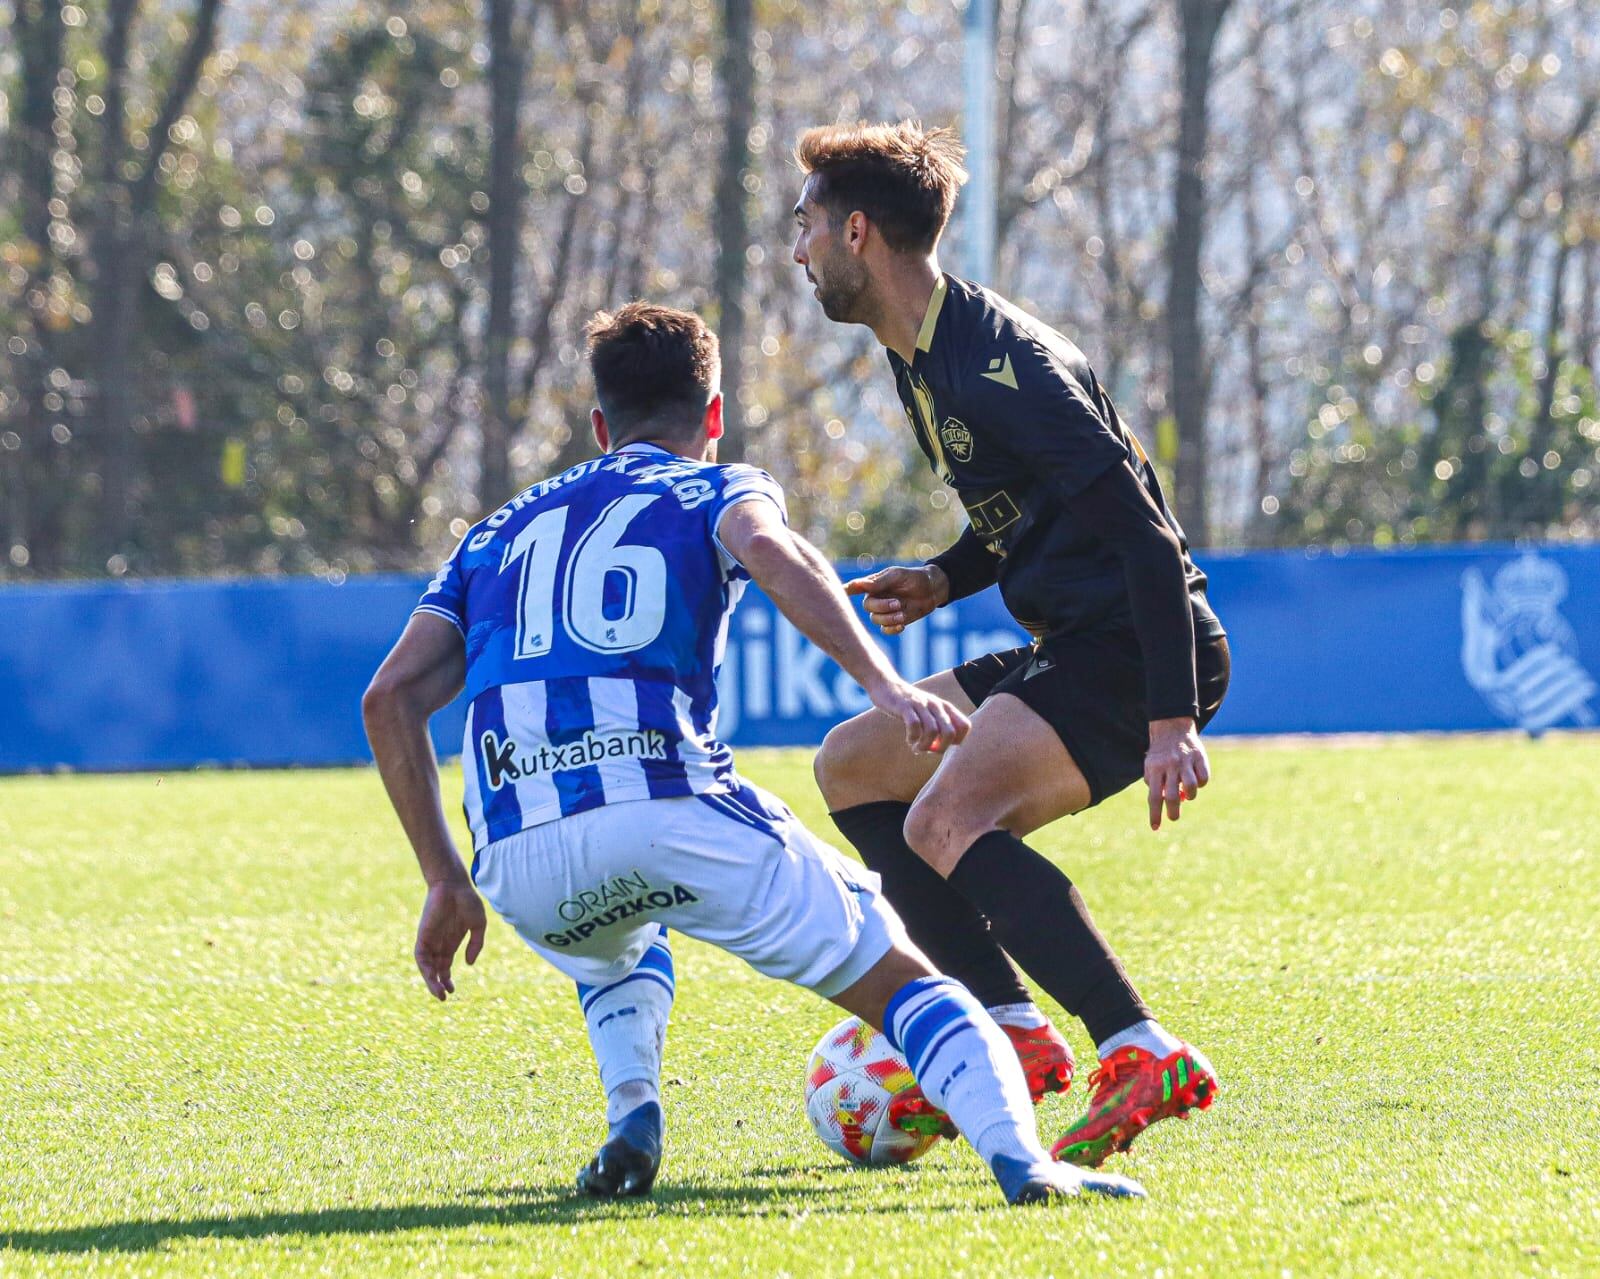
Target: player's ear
point(602, 432)
point(714, 417)
point(855, 232)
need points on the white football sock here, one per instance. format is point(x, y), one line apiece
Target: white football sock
point(627, 1023)
point(627, 1097)
point(966, 1066)
point(1152, 1036)
point(1023, 1016)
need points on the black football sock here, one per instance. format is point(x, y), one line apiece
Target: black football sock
point(1041, 920)
point(938, 919)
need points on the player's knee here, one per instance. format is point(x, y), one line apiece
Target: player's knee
point(822, 769)
point(938, 830)
point(839, 766)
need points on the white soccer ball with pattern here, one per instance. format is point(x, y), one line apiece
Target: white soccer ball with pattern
point(853, 1076)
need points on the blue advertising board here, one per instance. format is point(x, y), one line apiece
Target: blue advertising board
point(167, 674)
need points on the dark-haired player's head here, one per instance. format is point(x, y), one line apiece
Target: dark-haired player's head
point(657, 376)
point(873, 192)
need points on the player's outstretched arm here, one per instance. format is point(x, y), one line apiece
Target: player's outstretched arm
point(898, 596)
point(422, 673)
point(801, 582)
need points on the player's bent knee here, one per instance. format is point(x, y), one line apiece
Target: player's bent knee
point(939, 831)
point(824, 768)
point(840, 768)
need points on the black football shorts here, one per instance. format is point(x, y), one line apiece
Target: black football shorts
point(1090, 688)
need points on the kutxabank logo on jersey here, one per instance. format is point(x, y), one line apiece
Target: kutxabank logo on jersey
point(1518, 651)
point(507, 760)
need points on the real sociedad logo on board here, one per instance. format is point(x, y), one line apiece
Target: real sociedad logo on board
point(1518, 651)
point(957, 439)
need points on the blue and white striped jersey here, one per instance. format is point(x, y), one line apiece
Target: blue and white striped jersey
point(595, 607)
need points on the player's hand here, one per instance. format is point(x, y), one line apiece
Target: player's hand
point(931, 723)
point(450, 912)
point(1175, 768)
point(896, 597)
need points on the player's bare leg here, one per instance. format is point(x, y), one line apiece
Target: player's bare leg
point(1012, 773)
point(869, 779)
point(965, 1066)
point(865, 760)
point(1012, 776)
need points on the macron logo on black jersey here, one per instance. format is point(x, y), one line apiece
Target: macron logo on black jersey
point(1000, 371)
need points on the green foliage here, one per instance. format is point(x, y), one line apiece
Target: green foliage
point(306, 310)
point(382, 191)
point(1394, 188)
point(1479, 465)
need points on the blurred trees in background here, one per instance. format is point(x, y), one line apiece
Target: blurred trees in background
point(300, 287)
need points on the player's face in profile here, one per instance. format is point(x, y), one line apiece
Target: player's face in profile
point(839, 276)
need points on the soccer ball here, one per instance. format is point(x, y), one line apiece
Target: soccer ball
point(852, 1077)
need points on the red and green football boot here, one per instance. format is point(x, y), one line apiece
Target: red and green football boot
point(912, 1112)
point(1047, 1063)
point(1046, 1059)
point(1133, 1088)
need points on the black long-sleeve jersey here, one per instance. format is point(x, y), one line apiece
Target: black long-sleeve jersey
point(1059, 493)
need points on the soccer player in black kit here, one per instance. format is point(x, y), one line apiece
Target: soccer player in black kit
point(1128, 661)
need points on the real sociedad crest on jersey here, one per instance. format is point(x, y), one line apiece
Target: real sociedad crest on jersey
point(1518, 651)
point(957, 440)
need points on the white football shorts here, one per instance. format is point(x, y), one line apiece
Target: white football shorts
point(588, 892)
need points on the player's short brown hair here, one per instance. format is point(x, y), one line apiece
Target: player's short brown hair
point(655, 370)
point(902, 176)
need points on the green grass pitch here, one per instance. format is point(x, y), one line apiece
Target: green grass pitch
point(216, 1058)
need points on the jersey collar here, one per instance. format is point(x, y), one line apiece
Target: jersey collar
point(644, 446)
point(930, 321)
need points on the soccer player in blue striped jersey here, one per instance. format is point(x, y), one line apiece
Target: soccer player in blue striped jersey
point(586, 619)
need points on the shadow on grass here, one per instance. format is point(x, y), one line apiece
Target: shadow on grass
point(546, 1205)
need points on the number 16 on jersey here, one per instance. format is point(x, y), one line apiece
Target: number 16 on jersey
point(637, 576)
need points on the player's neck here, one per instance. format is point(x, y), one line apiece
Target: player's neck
point(904, 290)
point(694, 450)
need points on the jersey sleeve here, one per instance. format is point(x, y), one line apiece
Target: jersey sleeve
point(446, 595)
point(1122, 513)
point(743, 483)
point(969, 566)
point(1041, 414)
